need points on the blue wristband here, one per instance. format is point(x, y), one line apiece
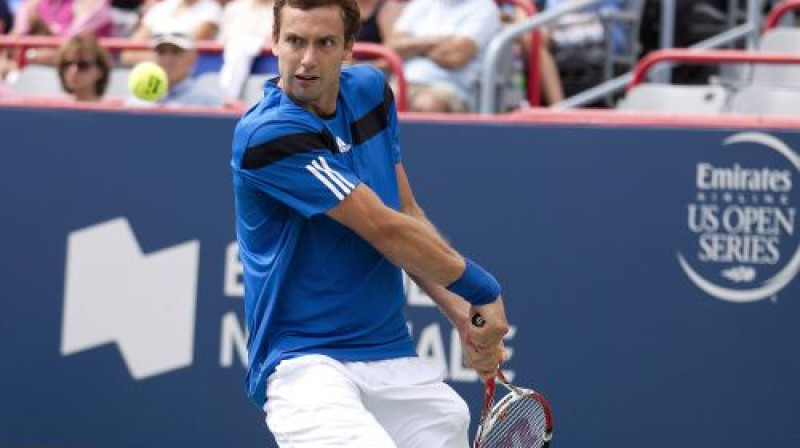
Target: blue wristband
point(476, 285)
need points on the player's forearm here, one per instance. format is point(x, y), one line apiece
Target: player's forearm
point(454, 307)
point(416, 247)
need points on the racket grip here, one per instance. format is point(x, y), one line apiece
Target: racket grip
point(478, 320)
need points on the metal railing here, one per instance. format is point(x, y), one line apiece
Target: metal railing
point(617, 84)
point(777, 13)
point(749, 31)
point(502, 42)
point(707, 57)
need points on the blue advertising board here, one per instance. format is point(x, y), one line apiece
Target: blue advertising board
point(649, 274)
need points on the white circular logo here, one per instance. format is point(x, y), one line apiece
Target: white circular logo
point(742, 224)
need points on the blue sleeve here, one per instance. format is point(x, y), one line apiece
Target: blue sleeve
point(394, 127)
point(390, 108)
point(376, 99)
point(294, 164)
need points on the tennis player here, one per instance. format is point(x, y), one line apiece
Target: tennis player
point(325, 220)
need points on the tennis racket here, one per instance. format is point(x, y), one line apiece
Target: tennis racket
point(521, 419)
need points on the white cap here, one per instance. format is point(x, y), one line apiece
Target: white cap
point(180, 40)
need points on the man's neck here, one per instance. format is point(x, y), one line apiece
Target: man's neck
point(324, 108)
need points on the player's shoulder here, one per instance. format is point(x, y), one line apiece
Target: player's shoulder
point(363, 75)
point(364, 88)
point(271, 123)
point(362, 81)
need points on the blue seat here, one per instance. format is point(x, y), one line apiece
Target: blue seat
point(212, 62)
point(207, 62)
point(265, 64)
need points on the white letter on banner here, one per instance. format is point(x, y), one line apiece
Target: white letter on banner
point(431, 347)
point(232, 338)
point(233, 286)
point(458, 371)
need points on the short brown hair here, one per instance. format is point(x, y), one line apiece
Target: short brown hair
point(86, 44)
point(351, 16)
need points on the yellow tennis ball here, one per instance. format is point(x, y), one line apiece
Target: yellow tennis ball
point(148, 81)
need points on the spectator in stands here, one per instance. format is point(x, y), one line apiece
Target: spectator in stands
point(6, 17)
point(64, 18)
point(176, 54)
point(442, 43)
point(377, 19)
point(576, 39)
point(125, 16)
point(197, 19)
point(6, 23)
point(584, 27)
point(84, 68)
point(377, 22)
point(245, 28)
point(550, 81)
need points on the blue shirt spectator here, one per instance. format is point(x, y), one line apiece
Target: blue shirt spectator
point(6, 17)
point(176, 54)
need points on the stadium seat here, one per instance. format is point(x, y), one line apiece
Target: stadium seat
point(254, 88)
point(783, 40)
point(207, 62)
point(692, 100)
point(118, 83)
point(209, 81)
point(37, 80)
point(764, 100)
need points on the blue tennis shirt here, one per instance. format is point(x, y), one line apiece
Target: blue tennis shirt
point(311, 284)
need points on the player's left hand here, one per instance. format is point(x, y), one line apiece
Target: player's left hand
point(485, 360)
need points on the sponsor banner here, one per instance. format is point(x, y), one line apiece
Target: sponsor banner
point(650, 277)
point(743, 246)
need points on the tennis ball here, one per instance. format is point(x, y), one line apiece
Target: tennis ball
point(148, 81)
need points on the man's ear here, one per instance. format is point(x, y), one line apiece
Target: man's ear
point(348, 50)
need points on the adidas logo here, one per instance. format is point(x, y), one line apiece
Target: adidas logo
point(343, 147)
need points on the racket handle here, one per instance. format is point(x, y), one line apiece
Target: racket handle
point(478, 320)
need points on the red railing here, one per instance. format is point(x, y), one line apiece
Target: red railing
point(778, 12)
point(707, 57)
point(116, 45)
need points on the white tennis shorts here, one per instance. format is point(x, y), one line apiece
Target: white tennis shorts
point(316, 402)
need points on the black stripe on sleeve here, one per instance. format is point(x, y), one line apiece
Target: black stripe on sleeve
point(373, 121)
point(259, 156)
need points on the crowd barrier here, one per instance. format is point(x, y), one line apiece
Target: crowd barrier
point(210, 55)
point(707, 57)
point(649, 269)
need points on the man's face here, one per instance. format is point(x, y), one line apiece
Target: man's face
point(177, 62)
point(311, 48)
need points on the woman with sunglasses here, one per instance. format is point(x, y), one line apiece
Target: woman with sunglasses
point(83, 68)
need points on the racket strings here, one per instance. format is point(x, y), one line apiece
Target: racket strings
point(521, 423)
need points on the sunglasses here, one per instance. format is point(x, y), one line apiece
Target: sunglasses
point(82, 65)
